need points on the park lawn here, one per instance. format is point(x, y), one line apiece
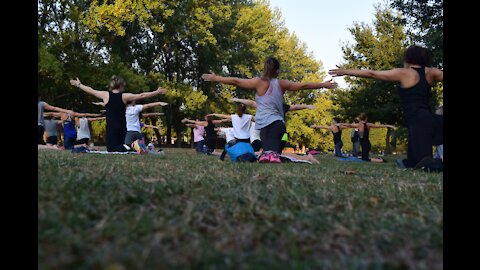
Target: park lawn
point(187, 210)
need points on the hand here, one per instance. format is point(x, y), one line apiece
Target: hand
point(75, 82)
point(210, 77)
point(330, 84)
point(161, 90)
point(339, 71)
point(184, 121)
point(163, 103)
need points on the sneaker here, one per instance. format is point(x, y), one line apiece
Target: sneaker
point(264, 158)
point(275, 158)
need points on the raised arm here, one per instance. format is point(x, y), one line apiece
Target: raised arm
point(99, 94)
point(86, 114)
point(198, 123)
point(49, 107)
point(243, 83)
point(191, 125)
point(96, 118)
point(287, 85)
point(131, 97)
point(393, 75)
point(247, 102)
point(150, 126)
point(319, 127)
point(301, 107)
point(217, 122)
point(225, 116)
point(144, 115)
point(370, 125)
point(154, 104)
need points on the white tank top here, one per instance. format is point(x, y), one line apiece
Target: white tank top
point(83, 131)
point(254, 133)
point(241, 126)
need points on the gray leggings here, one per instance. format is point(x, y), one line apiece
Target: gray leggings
point(132, 136)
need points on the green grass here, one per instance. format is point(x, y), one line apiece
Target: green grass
point(189, 211)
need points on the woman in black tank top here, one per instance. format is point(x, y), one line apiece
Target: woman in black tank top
point(115, 105)
point(416, 79)
point(336, 129)
point(364, 133)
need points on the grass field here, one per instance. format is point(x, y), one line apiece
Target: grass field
point(193, 211)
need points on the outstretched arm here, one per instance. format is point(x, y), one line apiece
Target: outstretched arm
point(151, 105)
point(151, 114)
point(99, 103)
point(324, 127)
point(96, 118)
point(133, 97)
point(370, 125)
point(86, 114)
point(247, 102)
point(46, 106)
point(191, 125)
point(217, 122)
point(301, 107)
point(150, 126)
point(287, 85)
point(225, 116)
point(394, 75)
point(437, 74)
point(99, 94)
point(198, 123)
point(243, 83)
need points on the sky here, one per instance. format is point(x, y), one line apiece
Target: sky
point(323, 24)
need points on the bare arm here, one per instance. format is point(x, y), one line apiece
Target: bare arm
point(198, 123)
point(190, 125)
point(99, 103)
point(216, 122)
point(131, 97)
point(154, 104)
point(243, 83)
point(96, 118)
point(324, 127)
point(86, 114)
point(151, 114)
point(46, 106)
point(437, 74)
point(301, 107)
point(296, 86)
point(393, 75)
point(370, 125)
point(247, 102)
point(150, 126)
point(225, 116)
point(99, 94)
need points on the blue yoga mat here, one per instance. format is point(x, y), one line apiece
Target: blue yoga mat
point(351, 159)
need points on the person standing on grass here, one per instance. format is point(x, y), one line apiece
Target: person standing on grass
point(336, 129)
point(42, 105)
point(269, 118)
point(115, 102)
point(415, 79)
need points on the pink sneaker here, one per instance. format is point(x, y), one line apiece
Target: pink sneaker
point(275, 158)
point(264, 158)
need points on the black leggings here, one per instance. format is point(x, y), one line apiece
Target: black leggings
point(366, 146)
point(211, 143)
point(115, 139)
point(271, 136)
point(41, 129)
point(421, 133)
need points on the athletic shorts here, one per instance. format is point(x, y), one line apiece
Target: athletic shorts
point(52, 140)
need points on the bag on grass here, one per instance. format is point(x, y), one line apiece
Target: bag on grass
point(240, 152)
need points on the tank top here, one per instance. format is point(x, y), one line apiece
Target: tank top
point(337, 136)
point(115, 112)
point(69, 128)
point(366, 132)
point(417, 98)
point(51, 127)
point(83, 130)
point(269, 106)
point(41, 121)
point(210, 131)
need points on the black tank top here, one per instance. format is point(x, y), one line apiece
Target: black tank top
point(115, 111)
point(416, 98)
point(210, 131)
point(366, 132)
point(337, 136)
